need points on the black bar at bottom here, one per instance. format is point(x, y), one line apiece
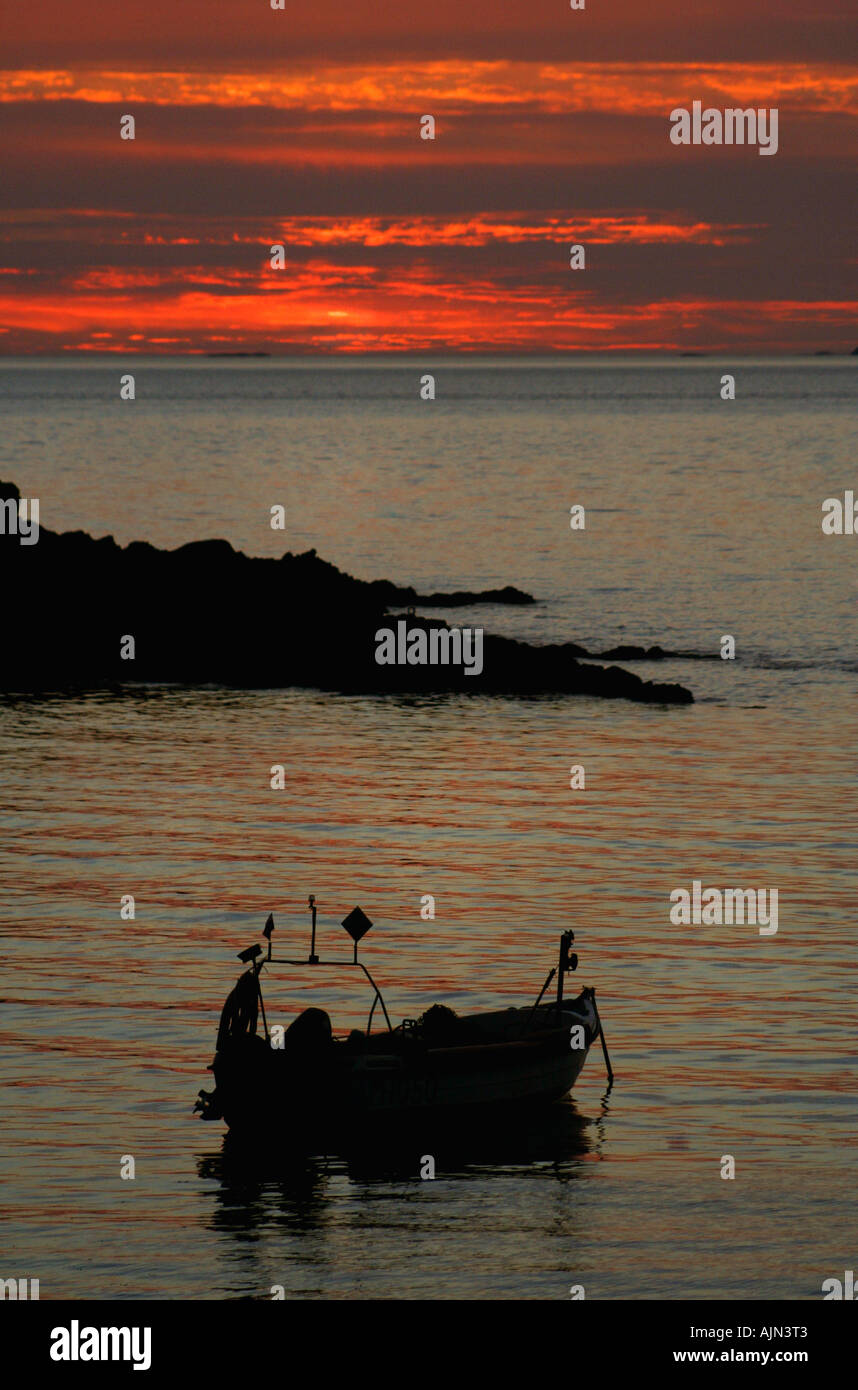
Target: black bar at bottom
point(247, 1337)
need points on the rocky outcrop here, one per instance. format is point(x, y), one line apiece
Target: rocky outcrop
point(206, 613)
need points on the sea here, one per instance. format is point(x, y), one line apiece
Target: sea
point(721, 1164)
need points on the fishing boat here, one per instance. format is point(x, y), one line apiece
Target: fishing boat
point(303, 1080)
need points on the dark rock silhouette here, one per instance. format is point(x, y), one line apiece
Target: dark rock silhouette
point(207, 613)
point(461, 597)
point(632, 653)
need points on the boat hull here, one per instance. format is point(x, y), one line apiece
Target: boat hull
point(259, 1087)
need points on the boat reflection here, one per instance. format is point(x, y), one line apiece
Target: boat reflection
point(254, 1175)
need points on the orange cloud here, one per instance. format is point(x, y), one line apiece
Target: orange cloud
point(531, 156)
point(499, 227)
point(483, 229)
point(451, 88)
point(401, 313)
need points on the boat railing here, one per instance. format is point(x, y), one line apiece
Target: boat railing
point(357, 924)
point(338, 965)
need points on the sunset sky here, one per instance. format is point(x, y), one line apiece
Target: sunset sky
point(301, 127)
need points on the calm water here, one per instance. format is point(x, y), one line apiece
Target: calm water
point(703, 517)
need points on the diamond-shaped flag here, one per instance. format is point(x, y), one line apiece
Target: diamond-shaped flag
point(357, 924)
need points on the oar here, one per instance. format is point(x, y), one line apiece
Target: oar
point(610, 1069)
point(549, 977)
